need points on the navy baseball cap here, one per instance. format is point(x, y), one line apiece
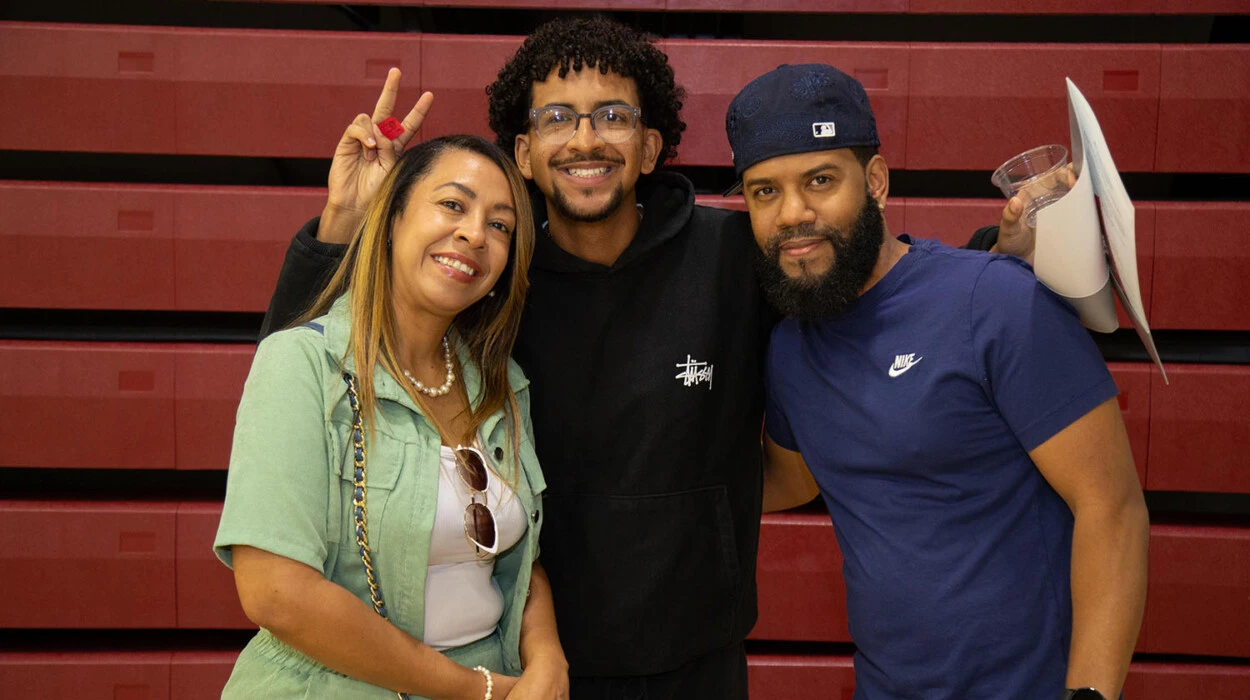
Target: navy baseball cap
point(797, 109)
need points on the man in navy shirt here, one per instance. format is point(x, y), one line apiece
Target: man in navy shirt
point(957, 419)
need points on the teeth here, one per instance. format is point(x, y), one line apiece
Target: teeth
point(587, 172)
point(455, 265)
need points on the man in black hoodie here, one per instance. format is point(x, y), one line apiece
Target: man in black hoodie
point(644, 339)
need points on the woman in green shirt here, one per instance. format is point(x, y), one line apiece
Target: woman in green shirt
point(384, 422)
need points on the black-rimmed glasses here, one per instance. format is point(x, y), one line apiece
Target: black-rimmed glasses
point(479, 522)
point(612, 123)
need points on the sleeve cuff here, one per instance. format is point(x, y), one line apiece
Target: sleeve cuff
point(307, 244)
point(1053, 423)
point(785, 442)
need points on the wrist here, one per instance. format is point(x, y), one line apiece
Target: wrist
point(338, 223)
point(550, 658)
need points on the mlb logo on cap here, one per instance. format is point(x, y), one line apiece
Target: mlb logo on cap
point(798, 109)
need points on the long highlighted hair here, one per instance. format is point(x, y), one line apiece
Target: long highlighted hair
point(488, 327)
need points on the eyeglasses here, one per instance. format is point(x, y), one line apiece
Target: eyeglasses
point(612, 123)
point(479, 522)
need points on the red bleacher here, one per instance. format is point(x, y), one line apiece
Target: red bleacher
point(1199, 429)
point(457, 70)
point(1202, 264)
point(973, 105)
point(939, 106)
point(85, 564)
point(147, 564)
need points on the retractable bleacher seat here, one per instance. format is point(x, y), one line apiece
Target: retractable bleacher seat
point(1202, 266)
point(147, 247)
point(123, 77)
point(229, 243)
point(210, 383)
point(799, 577)
point(282, 93)
point(457, 70)
point(1197, 603)
point(786, 676)
point(1179, 681)
point(973, 106)
point(95, 675)
point(87, 405)
point(86, 246)
point(1204, 110)
point(1199, 429)
point(87, 564)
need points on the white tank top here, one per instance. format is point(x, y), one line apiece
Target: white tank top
point(462, 603)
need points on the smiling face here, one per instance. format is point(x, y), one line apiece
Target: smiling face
point(450, 244)
point(817, 220)
point(586, 179)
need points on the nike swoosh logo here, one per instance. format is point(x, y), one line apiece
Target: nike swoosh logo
point(896, 371)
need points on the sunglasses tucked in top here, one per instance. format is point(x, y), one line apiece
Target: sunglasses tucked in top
point(479, 522)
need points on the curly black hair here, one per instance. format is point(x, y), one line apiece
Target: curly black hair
point(572, 44)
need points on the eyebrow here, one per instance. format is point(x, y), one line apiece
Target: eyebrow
point(753, 182)
point(600, 103)
point(823, 166)
point(467, 192)
point(500, 206)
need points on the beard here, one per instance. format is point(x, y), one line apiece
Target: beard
point(810, 296)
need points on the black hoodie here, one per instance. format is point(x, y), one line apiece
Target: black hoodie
point(646, 382)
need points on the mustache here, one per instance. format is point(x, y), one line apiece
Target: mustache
point(597, 157)
point(805, 230)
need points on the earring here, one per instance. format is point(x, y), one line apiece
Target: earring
point(491, 293)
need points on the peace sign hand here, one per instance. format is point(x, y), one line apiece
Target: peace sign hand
point(362, 159)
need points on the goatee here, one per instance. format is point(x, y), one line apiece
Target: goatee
point(812, 297)
point(565, 208)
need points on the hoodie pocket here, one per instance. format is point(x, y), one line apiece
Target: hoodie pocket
point(641, 584)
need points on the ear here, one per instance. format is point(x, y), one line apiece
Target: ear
point(652, 146)
point(877, 174)
point(521, 151)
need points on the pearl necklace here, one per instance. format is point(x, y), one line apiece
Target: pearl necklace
point(451, 376)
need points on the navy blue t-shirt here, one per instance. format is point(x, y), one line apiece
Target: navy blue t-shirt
point(916, 411)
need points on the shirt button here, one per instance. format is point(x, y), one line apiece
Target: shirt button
point(535, 516)
point(498, 454)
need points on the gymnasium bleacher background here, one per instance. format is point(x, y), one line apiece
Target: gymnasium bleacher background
point(156, 157)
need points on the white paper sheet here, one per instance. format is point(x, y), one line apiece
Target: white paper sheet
point(1083, 256)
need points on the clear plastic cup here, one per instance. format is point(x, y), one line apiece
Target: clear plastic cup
point(1039, 175)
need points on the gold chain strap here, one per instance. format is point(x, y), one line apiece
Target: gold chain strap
point(359, 511)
